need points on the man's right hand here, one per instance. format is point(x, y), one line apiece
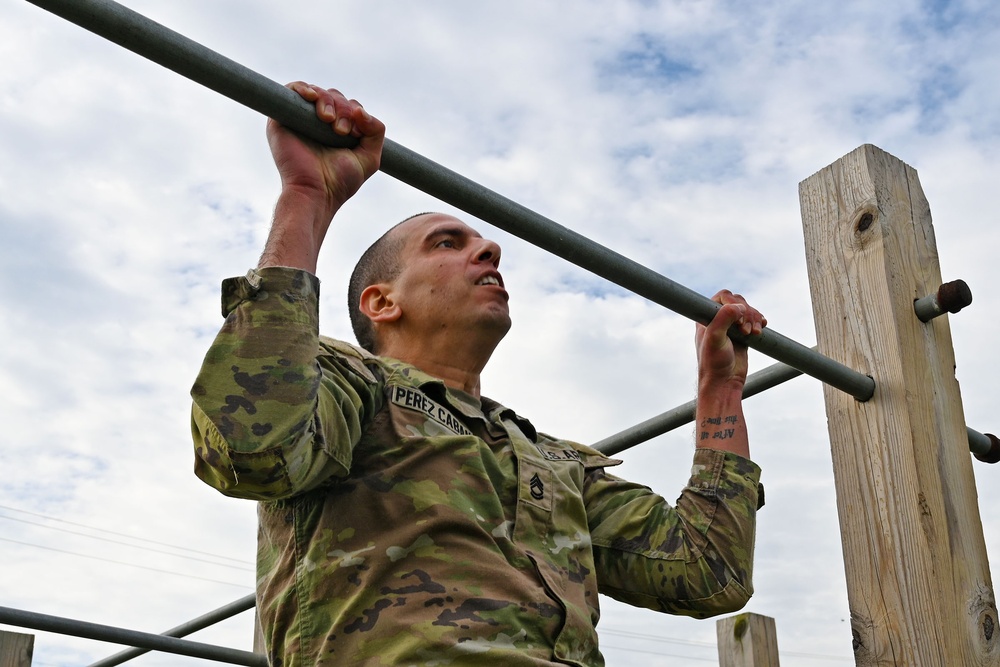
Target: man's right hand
point(316, 180)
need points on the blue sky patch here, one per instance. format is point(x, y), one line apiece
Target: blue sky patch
point(648, 60)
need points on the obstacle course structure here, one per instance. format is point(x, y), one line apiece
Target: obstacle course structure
point(918, 577)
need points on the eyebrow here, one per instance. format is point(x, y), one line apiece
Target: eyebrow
point(453, 231)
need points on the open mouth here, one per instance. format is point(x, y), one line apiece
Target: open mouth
point(489, 280)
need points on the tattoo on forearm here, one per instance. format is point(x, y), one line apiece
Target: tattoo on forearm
point(724, 428)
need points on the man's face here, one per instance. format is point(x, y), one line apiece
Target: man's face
point(449, 277)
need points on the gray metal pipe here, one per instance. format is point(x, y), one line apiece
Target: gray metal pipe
point(757, 382)
point(194, 61)
point(107, 633)
point(198, 63)
point(185, 629)
point(984, 446)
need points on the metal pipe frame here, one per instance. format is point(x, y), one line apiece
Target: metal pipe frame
point(984, 446)
point(192, 60)
point(155, 42)
point(107, 633)
point(757, 382)
point(151, 40)
point(185, 629)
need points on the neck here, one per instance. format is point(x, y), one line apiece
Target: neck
point(456, 363)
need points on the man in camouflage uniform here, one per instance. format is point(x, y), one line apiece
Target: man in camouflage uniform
point(405, 519)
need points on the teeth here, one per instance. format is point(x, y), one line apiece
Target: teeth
point(488, 280)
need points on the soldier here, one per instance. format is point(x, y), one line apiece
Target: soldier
point(405, 518)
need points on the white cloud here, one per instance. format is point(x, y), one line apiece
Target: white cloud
point(673, 132)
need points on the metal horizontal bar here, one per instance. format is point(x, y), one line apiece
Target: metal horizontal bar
point(107, 633)
point(192, 60)
point(757, 382)
point(524, 223)
point(984, 447)
point(184, 629)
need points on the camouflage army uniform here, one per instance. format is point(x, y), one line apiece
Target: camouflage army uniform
point(406, 523)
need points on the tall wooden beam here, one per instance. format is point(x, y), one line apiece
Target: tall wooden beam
point(918, 579)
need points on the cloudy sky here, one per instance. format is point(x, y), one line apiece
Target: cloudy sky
point(675, 133)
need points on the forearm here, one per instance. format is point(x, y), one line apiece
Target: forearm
point(300, 222)
point(722, 372)
point(695, 558)
point(719, 419)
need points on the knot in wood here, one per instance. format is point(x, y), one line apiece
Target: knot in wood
point(865, 221)
point(740, 627)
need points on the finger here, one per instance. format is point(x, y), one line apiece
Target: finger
point(346, 117)
point(358, 117)
point(331, 105)
point(344, 110)
point(715, 333)
point(330, 110)
point(324, 102)
point(723, 296)
point(733, 314)
point(752, 321)
point(367, 125)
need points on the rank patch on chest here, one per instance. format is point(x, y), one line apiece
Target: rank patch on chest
point(537, 487)
point(414, 399)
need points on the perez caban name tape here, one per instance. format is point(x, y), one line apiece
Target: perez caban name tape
point(414, 399)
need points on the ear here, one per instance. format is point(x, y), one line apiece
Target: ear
point(378, 304)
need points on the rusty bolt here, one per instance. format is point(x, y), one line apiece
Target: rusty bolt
point(990, 454)
point(950, 298)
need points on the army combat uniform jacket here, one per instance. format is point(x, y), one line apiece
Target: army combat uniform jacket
point(406, 523)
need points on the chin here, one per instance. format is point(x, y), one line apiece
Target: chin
point(502, 324)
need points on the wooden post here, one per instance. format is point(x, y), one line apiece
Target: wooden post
point(16, 649)
point(918, 579)
point(747, 640)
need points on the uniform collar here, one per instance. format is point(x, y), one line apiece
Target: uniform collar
point(400, 372)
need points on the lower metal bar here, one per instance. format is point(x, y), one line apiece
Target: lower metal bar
point(757, 382)
point(985, 447)
point(107, 633)
point(185, 629)
point(190, 59)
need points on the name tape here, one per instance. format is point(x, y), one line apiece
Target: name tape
point(414, 399)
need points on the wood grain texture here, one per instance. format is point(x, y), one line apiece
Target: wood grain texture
point(16, 649)
point(917, 573)
point(747, 640)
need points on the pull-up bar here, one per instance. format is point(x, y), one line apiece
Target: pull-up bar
point(194, 61)
point(158, 43)
point(984, 446)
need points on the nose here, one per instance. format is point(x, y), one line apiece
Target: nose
point(489, 252)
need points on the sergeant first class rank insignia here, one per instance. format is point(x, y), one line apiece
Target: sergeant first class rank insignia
point(413, 399)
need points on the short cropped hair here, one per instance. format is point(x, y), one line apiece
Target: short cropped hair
point(380, 263)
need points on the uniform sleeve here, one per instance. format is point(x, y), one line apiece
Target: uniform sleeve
point(276, 413)
point(695, 559)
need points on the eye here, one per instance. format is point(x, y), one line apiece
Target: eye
point(447, 243)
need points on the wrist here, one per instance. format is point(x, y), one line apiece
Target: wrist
point(301, 219)
point(719, 415)
point(727, 389)
point(306, 205)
